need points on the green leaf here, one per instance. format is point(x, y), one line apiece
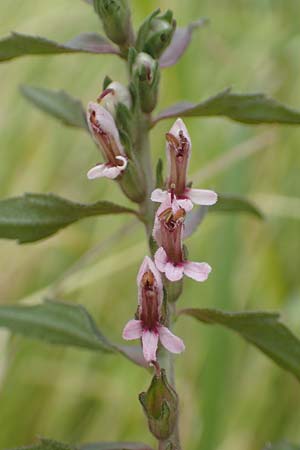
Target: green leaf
point(37, 216)
point(115, 446)
point(47, 444)
point(18, 44)
point(235, 204)
point(262, 329)
point(226, 203)
point(56, 323)
point(246, 108)
point(58, 104)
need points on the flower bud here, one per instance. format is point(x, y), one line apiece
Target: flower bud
point(114, 94)
point(156, 33)
point(160, 404)
point(115, 17)
point(146, 71)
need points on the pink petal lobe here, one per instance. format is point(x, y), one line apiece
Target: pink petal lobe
point(132, 330)
point(203, 196)
point(197, 271)
point(150, 343)
point(158, 195)
point(171, 342)
point(174, 273)
point(160, 259)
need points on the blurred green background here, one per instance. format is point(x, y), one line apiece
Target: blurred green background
point(232, 397)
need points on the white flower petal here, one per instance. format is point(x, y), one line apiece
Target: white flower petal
point(185, 204)
point(132, 330)
point(102, 170)
point(203, 196)
point(179, 126)
point(160, 259)
point(197, 271)
point(158, 195)
point(174, 272)
point(150, 343)
point(171, 342)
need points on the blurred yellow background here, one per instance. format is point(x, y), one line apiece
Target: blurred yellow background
point(232, 397)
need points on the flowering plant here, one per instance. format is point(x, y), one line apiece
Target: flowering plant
point(119, 120)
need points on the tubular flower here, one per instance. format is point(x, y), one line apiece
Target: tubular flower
point(168, 231)
point(148, 327)
point(105, 133)
point(114, 93)
point(178, 151)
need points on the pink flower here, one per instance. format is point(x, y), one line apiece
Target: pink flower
point(168, 231)
point(106, 135)
point(148, 326)
point(178, 148)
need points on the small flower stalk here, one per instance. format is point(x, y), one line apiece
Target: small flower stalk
point(149, 323)
point(178, 150)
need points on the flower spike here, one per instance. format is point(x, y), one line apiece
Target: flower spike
point(105, 133)
point(178, 149)
point(148, 326)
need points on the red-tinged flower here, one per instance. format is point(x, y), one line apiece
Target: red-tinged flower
point(178, 148)
point(106, 135)
point(168, 231)
point(148, 327)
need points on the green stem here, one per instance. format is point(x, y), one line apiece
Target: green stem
point(143, 146)
point(166, 361)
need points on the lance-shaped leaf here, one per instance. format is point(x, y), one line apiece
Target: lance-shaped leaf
point(180, 41)
point(235, 204)
point(58, 104)
point(226, 203)
point(36, 216)
point(115, 446)
point(18, 44)
point(65, 324)
point(56, 323)
point(246, 108)
point(262, 329)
